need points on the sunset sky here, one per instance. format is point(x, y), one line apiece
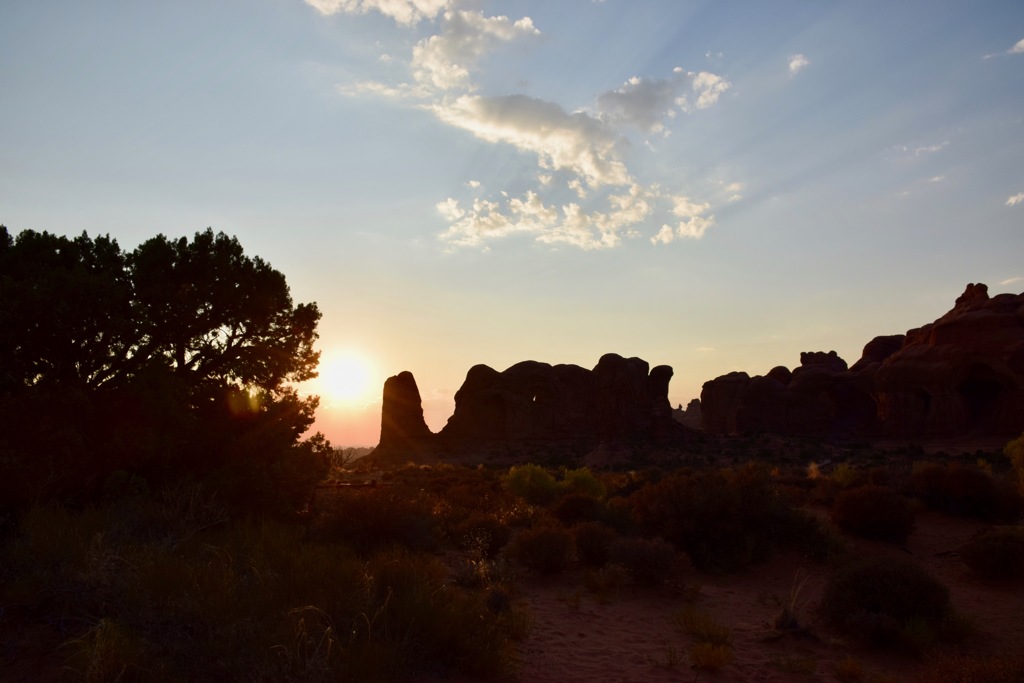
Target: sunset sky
point(714, 186)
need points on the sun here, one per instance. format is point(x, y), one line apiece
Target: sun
point(345, 377)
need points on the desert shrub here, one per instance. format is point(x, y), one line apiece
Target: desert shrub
point(573, 508)
point(378, 517)
point(874, 512)
point(1014, 450)
point(887, 602)
point(964, 491)
point(722, 519)
point(482, 533)
point(545, 549)
point(649, 561)
point(702, 627)
point(998, 553)
point(960, 668)
point(532, 483)
point(593, 542)
point(581, 481)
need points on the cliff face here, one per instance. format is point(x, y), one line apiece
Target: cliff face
point(960, 375)
point(534, 405)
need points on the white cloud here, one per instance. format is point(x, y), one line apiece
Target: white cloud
point(1018, 48)
point(797, 63)
point(647, 103)
point(936, 179)
point(444, 59)
point(405, 12)
point(1015, 199)
point(473, 183)
point(1011, 281)
point(575, 142)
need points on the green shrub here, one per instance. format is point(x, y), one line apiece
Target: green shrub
point(997, 554)
point(887, 602)
point(532, 483)
point(582, 482)
point(545, 549)
point(874, 512)
point(649, 561)
point(593, 541)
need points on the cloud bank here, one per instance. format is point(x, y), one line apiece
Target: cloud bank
point(581, 191)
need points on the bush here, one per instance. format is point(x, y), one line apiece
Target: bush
point(1014, 450)
point(582, 482)
point(482, 533)
point(532, 483)
point(874, 512)
point(593, 543)
point(649, 561)
point(724, 520)
point(996, 554)
point(545, 549)
point(960, 668)
point(573, 508)
point(374, 518)
point(964, 491)
point(887, 602)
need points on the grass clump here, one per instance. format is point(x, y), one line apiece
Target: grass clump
point(996, 554)
point(709, 656)
point(532, 483)
point(702, 627)
point(874, 512)
point(890, 603)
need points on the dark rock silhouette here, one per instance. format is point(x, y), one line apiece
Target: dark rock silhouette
point(534, 406)
point(960, 375)
point(402, 427)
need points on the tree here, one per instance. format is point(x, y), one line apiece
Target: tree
point(177, 355)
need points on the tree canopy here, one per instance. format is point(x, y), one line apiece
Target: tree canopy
point(177, 355)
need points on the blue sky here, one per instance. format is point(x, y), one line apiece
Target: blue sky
point(713, 186)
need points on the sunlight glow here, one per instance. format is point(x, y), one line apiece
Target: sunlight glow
point(345, 377)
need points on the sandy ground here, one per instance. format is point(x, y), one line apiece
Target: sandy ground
point(630, 635)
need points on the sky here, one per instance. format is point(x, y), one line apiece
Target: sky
point(714, 186)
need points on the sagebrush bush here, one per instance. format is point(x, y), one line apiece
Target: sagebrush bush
point(545, 549)
point(379, 517)
point(649, 561)
point(874, 512)
point(965, 491)
point(532, 483)
point(593, 542)
point(482, 533)
point(582, 482)
point(997, 554)
point(887, 602)
point(722, 519)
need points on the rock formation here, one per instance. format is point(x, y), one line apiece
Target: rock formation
point(960, 375)
point(535, 406)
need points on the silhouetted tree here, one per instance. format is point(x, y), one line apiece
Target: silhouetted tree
point(176, 356)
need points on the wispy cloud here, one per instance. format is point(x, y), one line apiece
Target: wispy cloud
point(797, 63)
point(1015, 199)
point(1011, 281)
point(1017, 49)
point(936, 179)
point(921, 150)
point(647, 103)
point(583, 194)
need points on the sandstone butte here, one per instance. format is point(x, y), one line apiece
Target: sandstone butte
point(959, 376)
